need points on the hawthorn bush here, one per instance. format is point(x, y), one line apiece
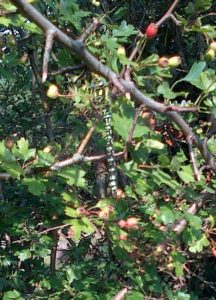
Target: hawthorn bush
point(63, 235)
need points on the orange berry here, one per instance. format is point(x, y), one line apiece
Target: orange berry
point(163, 62)
point(122, 223)
point(132, 222)
point(123, 237)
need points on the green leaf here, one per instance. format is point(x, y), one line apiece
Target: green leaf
point(72, 13)
point(44, 159)
point(14, 294)
point(35, 186)
point(154, 144)
point(177, 160)
point(165, 90)
point(70, 275)
point(73, 175)
point(13, 168)
point(5, 21)
point(193, 77)
point(122, 124)
point(186, 174)
point(202, 5)
point(124, 31)
point(70, 212)
point(134, 295)
point(5, 154)
point(194, 221)
point(160, 177)
point(110, 43)
point(24, 254)
point(198, 245)
point(23, 150)
point(183, 296)
point(178, 261)
point(166, 215)
point(78, 226)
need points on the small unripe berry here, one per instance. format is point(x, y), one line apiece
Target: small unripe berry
point(96, 3)
point(213, 46)
point(11, 40)
point(163, 62)
point(122, 223)
point(23, 59)
point(52, 92)
point(47, 149)
point(121, 51)
point(151, 30)
point(132, 222)
point(210, 55)
point(175, 61)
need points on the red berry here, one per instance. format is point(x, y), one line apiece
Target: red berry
point(151, 30)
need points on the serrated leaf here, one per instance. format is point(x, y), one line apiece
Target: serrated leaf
point(124, 30)
point(194, 221)
point(35, 186)
point(74, 176)
point(78, 226)
point(160, 177)
point(201, 5)
point(198, 245)
point(23, 150)
point(44, 159)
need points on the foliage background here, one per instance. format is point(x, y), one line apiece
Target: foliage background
point(157, 177)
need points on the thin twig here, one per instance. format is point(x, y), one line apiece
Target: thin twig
point(121, 294)
point(45, 104)
point(68, 70)
point(89, 30)
point(180, 225)
point(86, 139)
point(192, 159)
point(50, 34)
point(168, 13)
point(182, 109)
